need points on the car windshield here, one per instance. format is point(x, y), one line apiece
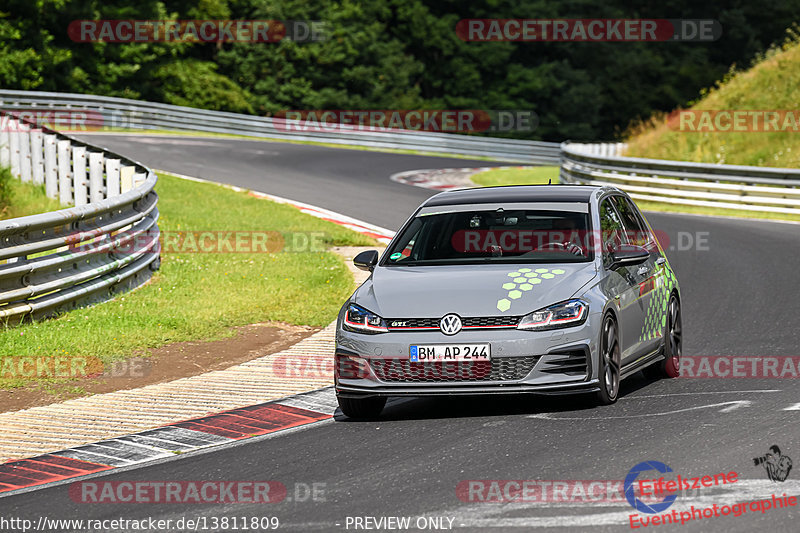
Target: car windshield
point(499, 236)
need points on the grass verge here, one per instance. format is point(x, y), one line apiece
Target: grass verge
point(714, 211)
point(18, 199)
point(771, 84)
point(516, 176)
point(200, 296)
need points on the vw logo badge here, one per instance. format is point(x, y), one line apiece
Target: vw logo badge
point(450, 324)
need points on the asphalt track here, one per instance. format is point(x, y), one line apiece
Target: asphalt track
point(739, 298)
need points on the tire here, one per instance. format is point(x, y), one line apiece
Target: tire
point(670, 366)
point(361, 408)
point(609, 362)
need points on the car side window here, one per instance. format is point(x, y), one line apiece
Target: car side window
point(405, 248)
point(611, 228)
point(634, 228)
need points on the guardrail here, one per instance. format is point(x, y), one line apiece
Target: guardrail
point(53, 262)
point(757, 189)
point(122, 113)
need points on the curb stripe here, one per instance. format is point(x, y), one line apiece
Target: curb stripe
point(138, 448)
point(444, 179)
point(43, 469)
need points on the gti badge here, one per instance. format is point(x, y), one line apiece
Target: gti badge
point(450, 324)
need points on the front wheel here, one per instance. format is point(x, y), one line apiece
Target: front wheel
point(609, 359)
point(361, 408)
point(670, 366)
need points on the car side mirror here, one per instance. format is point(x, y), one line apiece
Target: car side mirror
point(628, 254)
point(366, 260)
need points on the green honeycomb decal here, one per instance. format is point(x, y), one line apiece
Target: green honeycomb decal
point(524, 280)
point(656, 315)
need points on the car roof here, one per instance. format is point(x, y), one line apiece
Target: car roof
point(516, 193)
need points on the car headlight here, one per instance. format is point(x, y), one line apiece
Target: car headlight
point(561, 315)
point(359, 319)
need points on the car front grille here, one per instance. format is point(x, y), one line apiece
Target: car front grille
point(499, 369)
point(406, 324)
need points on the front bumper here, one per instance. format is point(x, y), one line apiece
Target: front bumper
point(549, 362)
point(347, 391)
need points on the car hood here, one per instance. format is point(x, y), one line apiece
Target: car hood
point(473, 290)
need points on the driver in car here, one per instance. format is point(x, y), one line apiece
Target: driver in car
point(566, 227)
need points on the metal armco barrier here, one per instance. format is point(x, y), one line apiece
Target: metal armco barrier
point(757, 189)
point(56, 261)
point(122, 113)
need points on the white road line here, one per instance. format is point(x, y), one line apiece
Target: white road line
point(698, 393)
point(735, 406)
point(794, 407)
point(731, 406)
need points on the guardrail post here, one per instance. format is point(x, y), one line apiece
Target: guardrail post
point(112, 178)
point(50, 172)
point(126, 178)
point(79, 175)
point(25, 152)
point(64, 173)
point(37, 155)
point(96, 176)
point(13, 145)
point(139, 178)
point(5, 154)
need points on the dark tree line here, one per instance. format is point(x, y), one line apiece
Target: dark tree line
point(391, 54)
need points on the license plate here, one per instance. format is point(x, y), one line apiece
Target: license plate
point(450, 352)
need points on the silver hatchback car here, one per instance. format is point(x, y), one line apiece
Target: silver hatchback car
point(530, 289)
